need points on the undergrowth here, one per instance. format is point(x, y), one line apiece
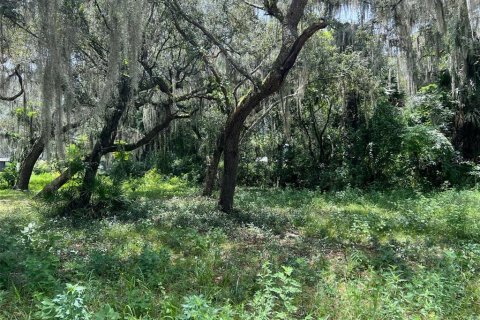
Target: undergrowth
point(286, 254)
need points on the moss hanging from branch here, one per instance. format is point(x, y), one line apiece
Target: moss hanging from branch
point(55, 48)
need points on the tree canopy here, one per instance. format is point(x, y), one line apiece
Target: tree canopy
point(298, 93)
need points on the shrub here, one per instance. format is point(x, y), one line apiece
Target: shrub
point(275, 299)
point(8, 176)
point(68, 305)
point(196, 307)
point(426, 153)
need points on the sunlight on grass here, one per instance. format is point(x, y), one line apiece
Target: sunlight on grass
point(355, 255)
point(13, 195)
point(38, 181)
point(155, 186)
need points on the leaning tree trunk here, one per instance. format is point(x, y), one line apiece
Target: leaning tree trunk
point(233, 129)
point(88, 182)
point(106, 140)
point(291, 46)
point(28, 163)
point(59, 182)
point(92, 160)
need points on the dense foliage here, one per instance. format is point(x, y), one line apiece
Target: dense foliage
point(288, 254)
point(351, 127)
point(385, 96)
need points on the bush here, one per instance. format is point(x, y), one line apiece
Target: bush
point(124, 167)
point(426, 154)
point(154, 265)
point(275, 299)
point(68, 305)
point(8, 176)
point(198, 308)
point(43, 166)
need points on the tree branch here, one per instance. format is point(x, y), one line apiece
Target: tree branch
point(149, 136)
point(177, 9)
point(20, 81)
point(23, 27)
point(256, 6)
point(273, 10)
point(290, 59)
point(210, 66)
point(102, 14)
point(262, 116)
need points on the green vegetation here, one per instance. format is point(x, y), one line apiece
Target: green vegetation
point(254, 159)
point(284, 254)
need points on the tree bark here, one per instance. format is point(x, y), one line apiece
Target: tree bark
point(88, 182)
point(106, 140)
point(27, 165)
point(292, 44)
point(212, 169)
point(59, 182)
point(230, 160)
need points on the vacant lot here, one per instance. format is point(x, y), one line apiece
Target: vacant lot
point(169, 254)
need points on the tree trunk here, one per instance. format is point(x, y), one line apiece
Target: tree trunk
point(291, 47)
point(26, 167)
point(212, 169)
point(106, 140)
point(88, 183)
point(59, 182)
point(94, 157)
point(231, 144)
point(230, 159)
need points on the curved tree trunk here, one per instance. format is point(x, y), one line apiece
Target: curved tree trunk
point(93, 159)
point(26, 168)
point(27, 165)
point(233, 129)
point(106, 140)
point(291, 47)
point(104, 146)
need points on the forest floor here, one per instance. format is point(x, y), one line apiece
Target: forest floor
point(284, 254)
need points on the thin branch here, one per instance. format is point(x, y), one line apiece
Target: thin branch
point(262, 116)
point(20, 81)
point(24, 28)
point(105, 21)
point(256, 6)
point(210, 66)
point(329, 115)
point(239, 84)
point(177, 9)
point(150, 135)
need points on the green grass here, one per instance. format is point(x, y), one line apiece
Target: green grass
point(38, 181)
point(173, 255)
point(155, 186)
